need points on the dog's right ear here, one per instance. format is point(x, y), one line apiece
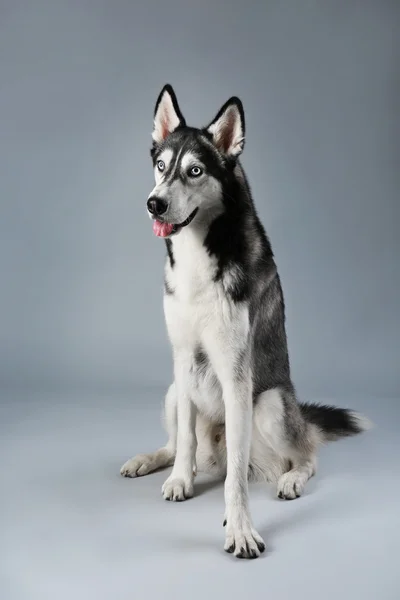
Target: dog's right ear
point(167, 115)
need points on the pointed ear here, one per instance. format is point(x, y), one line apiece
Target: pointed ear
point(167, 115)
point(228, 128)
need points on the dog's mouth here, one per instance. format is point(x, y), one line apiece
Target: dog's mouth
point(162, 229)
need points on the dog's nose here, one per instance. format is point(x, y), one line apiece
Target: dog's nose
point(156, 206)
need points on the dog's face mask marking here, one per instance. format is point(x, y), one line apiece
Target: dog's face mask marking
point(190, 164)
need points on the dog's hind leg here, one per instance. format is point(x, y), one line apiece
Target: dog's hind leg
point(284, 444)
point(143, 464)
point(302, 452)
point(291, 484)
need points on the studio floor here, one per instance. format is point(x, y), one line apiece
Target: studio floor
point(73, 528)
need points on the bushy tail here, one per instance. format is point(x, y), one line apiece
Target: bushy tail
point(334, 423)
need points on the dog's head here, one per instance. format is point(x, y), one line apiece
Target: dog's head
point(191, 165)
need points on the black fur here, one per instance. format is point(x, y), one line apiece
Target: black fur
point(231, 239)
point(201, 361)
point(168, 89)
point(246, 269)
point(167, 288)
point(170, 253)
point(333, 421)
point(234, 100)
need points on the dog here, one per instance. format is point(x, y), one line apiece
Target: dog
point(232, 408)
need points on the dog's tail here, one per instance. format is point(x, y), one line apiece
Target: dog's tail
point(334, 423)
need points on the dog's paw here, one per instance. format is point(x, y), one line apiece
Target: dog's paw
point(177, 489)
point(290, 486)
point(243, 542)
point(139, 465)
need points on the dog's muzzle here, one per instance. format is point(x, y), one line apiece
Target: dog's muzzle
point(163, 229)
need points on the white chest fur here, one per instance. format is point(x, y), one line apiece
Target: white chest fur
point(193, 273)
point(200, 316)
point(191, 309)
point(195, 293)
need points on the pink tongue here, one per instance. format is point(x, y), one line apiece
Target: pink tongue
point(162, 229)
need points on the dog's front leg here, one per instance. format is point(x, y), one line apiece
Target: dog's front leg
point(241, 537)
point(230, 355)
point(179, 485)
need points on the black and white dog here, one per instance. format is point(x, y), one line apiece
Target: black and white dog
point(232, 407)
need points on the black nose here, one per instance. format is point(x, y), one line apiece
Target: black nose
point(156, 206)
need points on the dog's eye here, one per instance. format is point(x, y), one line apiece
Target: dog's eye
point(160, 165)
point(195, 172)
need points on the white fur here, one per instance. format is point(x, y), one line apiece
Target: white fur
point(227, 131)
point(190, 160)
point(166, 157)
point(142, 464)
point(209, 414)
point(362, 421)
point(214, 426)
point(291, 484)
point(165, 119)
point(184, 197)
point(199, 313)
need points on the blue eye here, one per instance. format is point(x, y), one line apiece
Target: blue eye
point(195, 172)
point(160, 165)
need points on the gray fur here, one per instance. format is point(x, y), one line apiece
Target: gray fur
point(232, 408)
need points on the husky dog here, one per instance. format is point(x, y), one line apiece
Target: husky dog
point(232, 408)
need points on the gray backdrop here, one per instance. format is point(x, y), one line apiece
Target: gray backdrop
point(81, 272)
point(84, 355)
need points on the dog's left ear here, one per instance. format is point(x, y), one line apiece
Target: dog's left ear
point(228, 128)
point(167, 115)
